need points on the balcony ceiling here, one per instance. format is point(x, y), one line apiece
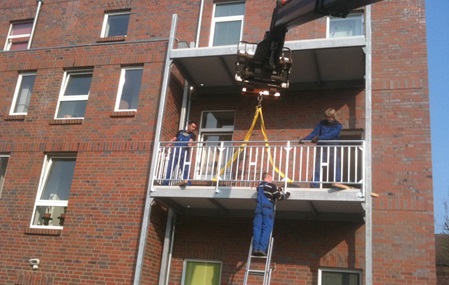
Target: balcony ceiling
point(320, 63)
point(304, 203)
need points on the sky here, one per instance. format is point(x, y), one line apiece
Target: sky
point(438, 62)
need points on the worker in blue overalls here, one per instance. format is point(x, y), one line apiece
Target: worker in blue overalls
point(182, 142)
point(327, 130)
point(267, 194)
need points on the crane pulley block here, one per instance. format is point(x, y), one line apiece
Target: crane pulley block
point(254, 69)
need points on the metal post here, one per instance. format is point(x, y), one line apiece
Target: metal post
point(157, 136)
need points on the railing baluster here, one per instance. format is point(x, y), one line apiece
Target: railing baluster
point(242, 164)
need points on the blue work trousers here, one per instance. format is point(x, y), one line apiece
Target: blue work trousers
point(319, 159)
point(178, 159)
point(262, 226)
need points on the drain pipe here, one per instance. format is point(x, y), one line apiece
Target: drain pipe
point(198, 29)
point(368, 161)
point(167, 250)
point(39, 5)
point(157, 138)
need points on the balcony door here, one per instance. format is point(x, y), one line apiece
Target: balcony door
point(216, 130)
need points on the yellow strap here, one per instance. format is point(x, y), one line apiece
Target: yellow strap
point(267, 147)
point(247, 137)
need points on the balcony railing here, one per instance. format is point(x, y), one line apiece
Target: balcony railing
point(241, 164)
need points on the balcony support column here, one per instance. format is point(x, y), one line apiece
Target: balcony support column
point(157, 138)
point(367, 186)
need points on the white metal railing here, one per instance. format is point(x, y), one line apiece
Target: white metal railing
point(237, 163)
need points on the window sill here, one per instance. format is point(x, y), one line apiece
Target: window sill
point(43, 232)
point(66, 121)
point(123, 114)
point(111, 39)
point(15, 118)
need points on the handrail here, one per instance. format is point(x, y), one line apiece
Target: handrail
point(233, 163)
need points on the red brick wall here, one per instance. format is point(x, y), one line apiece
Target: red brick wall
point(155, 243)
point(98, 244)
point(291, 116)
point(403, 214)
point(300, 247)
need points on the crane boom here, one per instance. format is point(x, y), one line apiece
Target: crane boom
point(268, 63)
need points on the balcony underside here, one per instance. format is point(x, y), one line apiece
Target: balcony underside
point(304, 203)
point(317, 64)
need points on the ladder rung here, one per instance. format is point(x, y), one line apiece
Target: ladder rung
point(256, 272)
point(258, 256)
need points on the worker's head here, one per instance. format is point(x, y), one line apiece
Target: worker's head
point(267, 177)
point(330, 114)
point(191, 126)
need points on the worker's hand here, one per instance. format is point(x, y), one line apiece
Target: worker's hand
point(286, 195)
point(315, 139)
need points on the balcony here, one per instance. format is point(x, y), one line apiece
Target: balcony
point(317, 63)
point(224, 176)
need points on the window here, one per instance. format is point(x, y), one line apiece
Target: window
point(227, 24)
point(54, 189)
point(129, 88)
point(19, 35)
point(3, 164)
point(216, 127)
point(115, 24)
point(201, 272)
point(74, 93)
point(334, 276)
point(22, 95)
point(350, 26)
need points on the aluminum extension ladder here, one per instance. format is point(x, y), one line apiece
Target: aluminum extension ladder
point(265, 273)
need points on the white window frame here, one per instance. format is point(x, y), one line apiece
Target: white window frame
point(204, 160)
point(353, 16)
point(119, 105)
point(10, 38)
point(225, 19)
point(3, 159)
point(80, 97)
point(104, 28)
point(187, 260)
point(55, 206)
point(338, 270)
point(18, 94)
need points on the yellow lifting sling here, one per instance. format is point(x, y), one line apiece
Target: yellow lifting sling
point(257, 114)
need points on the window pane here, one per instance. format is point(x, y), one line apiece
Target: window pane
point(59, 179)
point(117, 25)
point(79, 84)
point(340, 278)
point(218, 119)
point(49, 216)
point(21, 28)
point(19, 46)
point(72, 109)
point(131, 89)
point(227, 33)
point(3, 164)
point(202, 273)
point(348, 27)
point(24, 94)
point(230, 9)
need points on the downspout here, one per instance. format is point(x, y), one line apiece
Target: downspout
point(184, 107)
point(157, 137)
point(39, 5)
point(168, 248)
point(198, 29)
point(368, 152)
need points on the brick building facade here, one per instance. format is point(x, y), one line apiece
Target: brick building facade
point(93, 90)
